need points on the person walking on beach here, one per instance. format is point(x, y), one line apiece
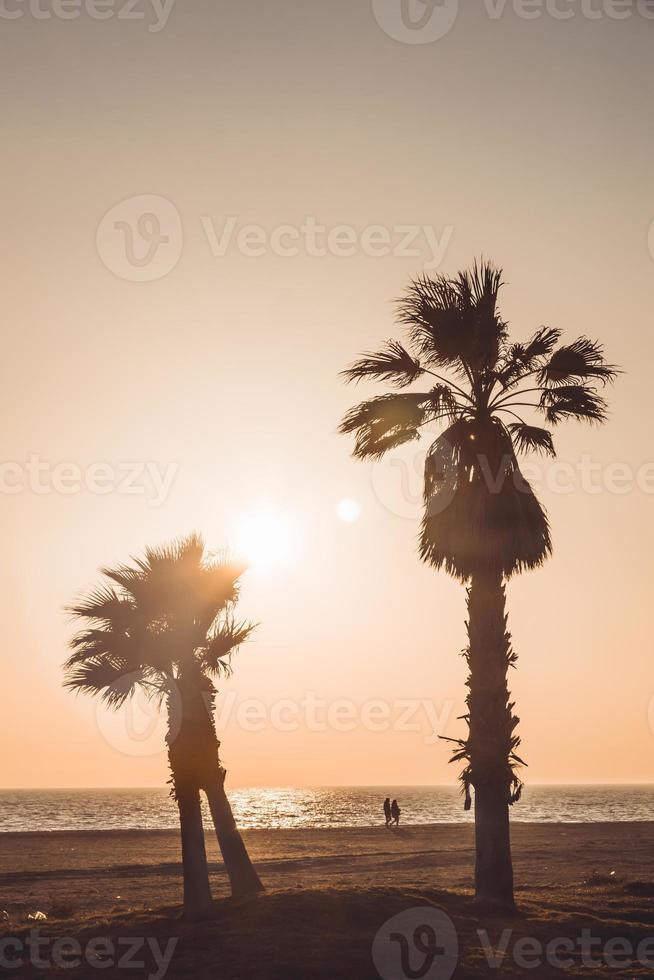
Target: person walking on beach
point(395, 814)
point(387, 810)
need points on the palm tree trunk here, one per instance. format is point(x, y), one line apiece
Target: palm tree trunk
point(197, 747)
point(197, 892)
point(182, 759)
point(242, 874)
point(491, 739)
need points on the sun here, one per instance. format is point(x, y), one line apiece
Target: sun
point(264, 538)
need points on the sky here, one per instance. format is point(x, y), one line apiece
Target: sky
point(208, 210)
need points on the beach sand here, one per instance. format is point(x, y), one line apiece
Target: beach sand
point(328, 892)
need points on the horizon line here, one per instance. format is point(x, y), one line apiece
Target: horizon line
point(324, 786)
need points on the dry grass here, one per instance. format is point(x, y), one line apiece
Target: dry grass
point(329, 893)
point(328, 934)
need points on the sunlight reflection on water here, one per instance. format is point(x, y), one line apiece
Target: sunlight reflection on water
point(29, 810)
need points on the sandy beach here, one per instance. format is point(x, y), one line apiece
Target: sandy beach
point(329, 891)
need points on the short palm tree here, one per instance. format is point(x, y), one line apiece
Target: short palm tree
point(166, 624)
point(482, 521)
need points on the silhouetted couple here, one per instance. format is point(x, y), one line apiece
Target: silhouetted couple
point(391, 813)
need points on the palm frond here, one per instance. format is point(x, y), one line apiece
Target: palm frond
point(224, 642)
point(480, 286)
point(521, 359)
point(112, 680)
point(443, 402)
point(478, 290)
point(542, 343)
point(103, 605)
point(484, 514)
point(580, 361)
point(431, 310)
point(393, 363)
point(127, 577)
point(446, 462)
point(455, 322)
point(187, 551)
point(96, 643)
point(479, 511)
point(217, 589)
point(530, 438)
point(158, 616)
point(385, 422)
point(573, 401)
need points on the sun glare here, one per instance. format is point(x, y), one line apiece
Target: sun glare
point(348, 511)
point(264, 539)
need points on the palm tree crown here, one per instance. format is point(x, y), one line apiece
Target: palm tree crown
point(168, 615)
point(480, 512)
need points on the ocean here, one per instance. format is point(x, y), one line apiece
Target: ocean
point(137, 809)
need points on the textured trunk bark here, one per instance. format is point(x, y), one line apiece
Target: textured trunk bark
point(181, 741)
point(491, 739)
point(197, 893)
point(242, 874)
point(198, 746)
point(493, 864)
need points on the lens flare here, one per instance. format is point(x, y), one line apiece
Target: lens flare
point(348, 511)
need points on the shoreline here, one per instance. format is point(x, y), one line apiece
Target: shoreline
point(164, 831)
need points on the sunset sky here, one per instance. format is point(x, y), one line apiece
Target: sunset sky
point(527, 140)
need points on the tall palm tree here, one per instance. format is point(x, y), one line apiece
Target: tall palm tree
point(482, 521)
point(166, 624)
